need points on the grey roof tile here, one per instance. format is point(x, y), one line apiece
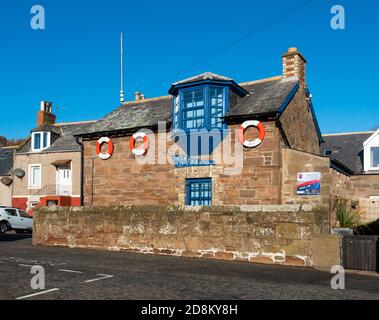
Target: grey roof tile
point(265, 97)
point(135, 115)
point(66, 140)
point(347, 149)
point(47, 128)
point(6, 161)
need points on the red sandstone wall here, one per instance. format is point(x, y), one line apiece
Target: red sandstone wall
point(298, 124)
point(121, 180)
point(260, 234)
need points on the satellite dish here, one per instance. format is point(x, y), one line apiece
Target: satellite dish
point(6, 181)
point(19, 173)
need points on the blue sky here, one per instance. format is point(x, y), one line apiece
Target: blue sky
point(74, 62)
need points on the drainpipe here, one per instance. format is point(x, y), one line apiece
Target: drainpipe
point(79, 140)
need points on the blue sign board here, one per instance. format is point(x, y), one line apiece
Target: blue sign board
point(184, 161)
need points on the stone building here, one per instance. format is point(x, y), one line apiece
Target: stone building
point(47, 166)
point(359, 151)
point(195, 152)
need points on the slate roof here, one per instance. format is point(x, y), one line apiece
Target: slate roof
point(47, 128)
point(347, 148)
point(264, 98)
point(136, 115)
point(66, 140)
point(6, 161)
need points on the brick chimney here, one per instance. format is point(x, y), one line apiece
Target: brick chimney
point(45, 114)
point(139, 96)
point(294, 65)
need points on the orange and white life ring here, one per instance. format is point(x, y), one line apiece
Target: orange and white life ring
point(261, 133)
point(132, 143)
point(109, 152)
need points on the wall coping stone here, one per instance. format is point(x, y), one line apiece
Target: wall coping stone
point(229, 209)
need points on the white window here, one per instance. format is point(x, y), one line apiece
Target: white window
point(35, 176)
point(371, 153)
point(40, 140)
point(374, 157)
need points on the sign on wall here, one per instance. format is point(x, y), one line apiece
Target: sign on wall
point(308, 183)
point(184, 161)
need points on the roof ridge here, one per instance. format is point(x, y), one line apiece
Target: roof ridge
point(204, 75)
point(146, 100)
point(274, 78)
point(346, 133)
point(74, 122)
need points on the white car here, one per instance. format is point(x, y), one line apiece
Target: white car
point(14, 219)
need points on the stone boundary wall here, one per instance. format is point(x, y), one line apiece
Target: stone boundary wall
point(261, 234)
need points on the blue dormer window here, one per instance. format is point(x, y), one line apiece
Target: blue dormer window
point(201, 108)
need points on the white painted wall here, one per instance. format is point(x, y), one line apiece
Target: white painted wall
point(5, 195)
point(373, 141)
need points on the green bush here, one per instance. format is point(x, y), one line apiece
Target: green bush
point(347, 218)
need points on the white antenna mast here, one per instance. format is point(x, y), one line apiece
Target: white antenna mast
point(122, 71)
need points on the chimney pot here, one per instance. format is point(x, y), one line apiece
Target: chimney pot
point(137, 96)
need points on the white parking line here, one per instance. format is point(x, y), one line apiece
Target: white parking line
point(103, 276)
point(37, 294)
point(69, 271)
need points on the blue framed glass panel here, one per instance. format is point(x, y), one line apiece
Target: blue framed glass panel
point(216, 96)
point(199, 192)
point(193, 109)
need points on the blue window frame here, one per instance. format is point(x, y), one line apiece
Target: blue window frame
point(217, 106)
point(199, 192)
point(201, 107)
point(193, 105)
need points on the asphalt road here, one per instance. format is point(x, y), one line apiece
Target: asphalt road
point(87, 274)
